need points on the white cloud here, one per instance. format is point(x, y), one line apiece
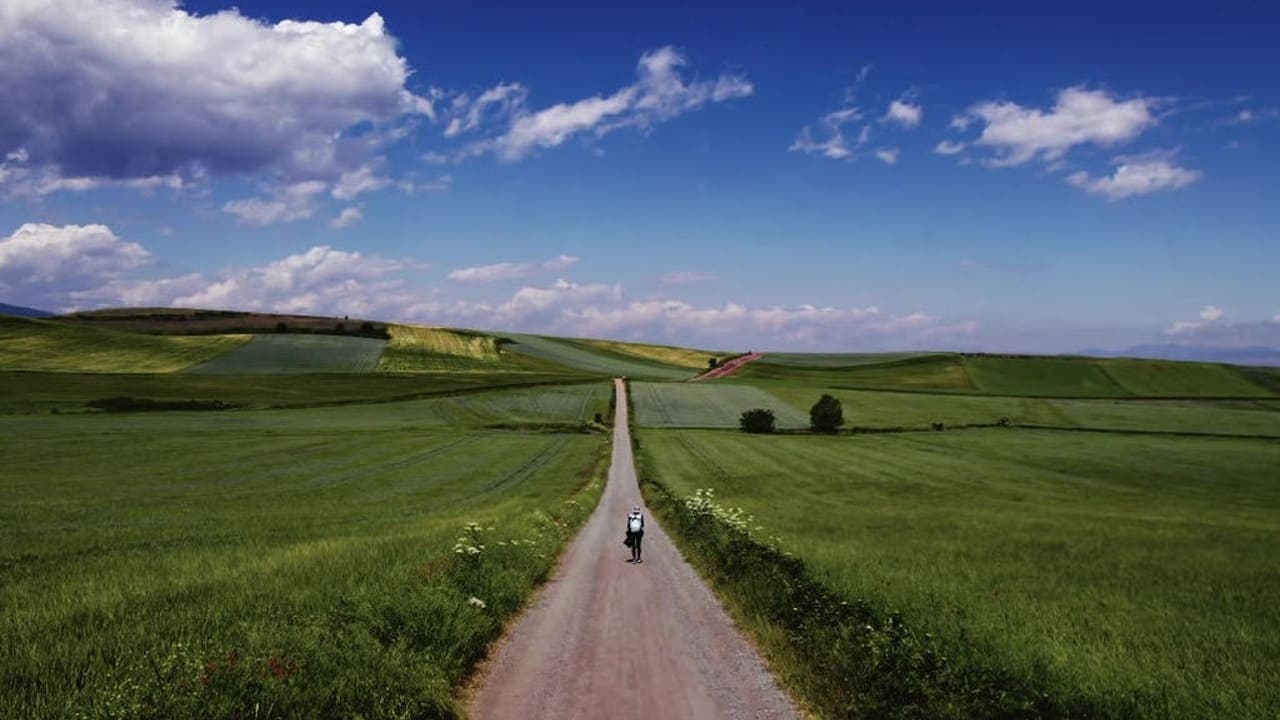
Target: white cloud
point(904, 113)
point(949, 147)
point(286, 204)
point(659, 93)
point(1137, 175)
point(40, 263)
point(888, 156)
point(602, 310)
point(348, 216)
point(76, 267)
point(560, 262)
point(144, 91)
point(356, 182)
point(1018, 134)
point(321, 280)
point(686, 277)
point(833, 144)
point(502, 101)
point(1209, 315)
point(1213, 330)
point(510, 270)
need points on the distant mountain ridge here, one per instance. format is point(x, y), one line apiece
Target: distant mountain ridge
point(21, 311)
point(1196, 353)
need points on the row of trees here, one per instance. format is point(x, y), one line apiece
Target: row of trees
point(826, 416)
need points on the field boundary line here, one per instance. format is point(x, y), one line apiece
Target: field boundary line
point(1121, 398)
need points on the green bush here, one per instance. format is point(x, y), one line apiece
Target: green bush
point(826, 415)
point(757, 420)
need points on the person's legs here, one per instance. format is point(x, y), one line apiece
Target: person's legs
point(636, 549)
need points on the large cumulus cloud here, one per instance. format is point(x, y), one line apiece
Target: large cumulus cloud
point(142, 91)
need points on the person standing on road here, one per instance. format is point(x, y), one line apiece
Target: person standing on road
point(635, 533)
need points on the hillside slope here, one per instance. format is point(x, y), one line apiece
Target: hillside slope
point(47, 346)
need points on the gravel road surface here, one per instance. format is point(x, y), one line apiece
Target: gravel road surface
point(608, 639)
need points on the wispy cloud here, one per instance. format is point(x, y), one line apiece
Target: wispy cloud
point(348, 216)
point(510, 270)
point(828, 140)
point(283, 204)
point(1137, 175)
point(904, 112)
point(686, 277)
point(888, 156)
point(660, 93)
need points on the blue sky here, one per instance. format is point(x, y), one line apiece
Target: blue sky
point(1044, 177)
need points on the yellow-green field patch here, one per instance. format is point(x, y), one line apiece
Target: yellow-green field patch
point(50, 346)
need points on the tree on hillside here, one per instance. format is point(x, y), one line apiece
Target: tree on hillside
point(712, 364)
point(757, 420)
point(826, 415)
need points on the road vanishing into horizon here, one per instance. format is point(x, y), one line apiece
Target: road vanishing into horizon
point(608, 639)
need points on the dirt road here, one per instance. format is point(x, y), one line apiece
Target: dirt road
point(608, 639)
point(730, 366)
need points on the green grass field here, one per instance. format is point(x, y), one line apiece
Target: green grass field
point(26, 392)
point(915, 410)
point(703, 404)
point(695, 360)
point(925, 372)
point(1125, 567)
point(581, 356)
point(1015, 376)
point(836, 360)
point(48, 346)
point(287, 354)
point(279, 563)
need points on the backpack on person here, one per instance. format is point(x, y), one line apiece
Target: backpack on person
point(635, 523)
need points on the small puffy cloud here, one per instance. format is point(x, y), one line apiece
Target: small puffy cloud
point(285, 204)
point(1209, 315)
point(660, 93)
point(1136, 175)
point(686, 277)
point(828, 140)
point(949, 147)
point(1213, 330)
point(888, 156)
point(560, 262)
point(357, 182)
point(904, 113)
point(40, 264)
point(119, 91)
point(348, 216)
point(1079, 116)
point(510, 270)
